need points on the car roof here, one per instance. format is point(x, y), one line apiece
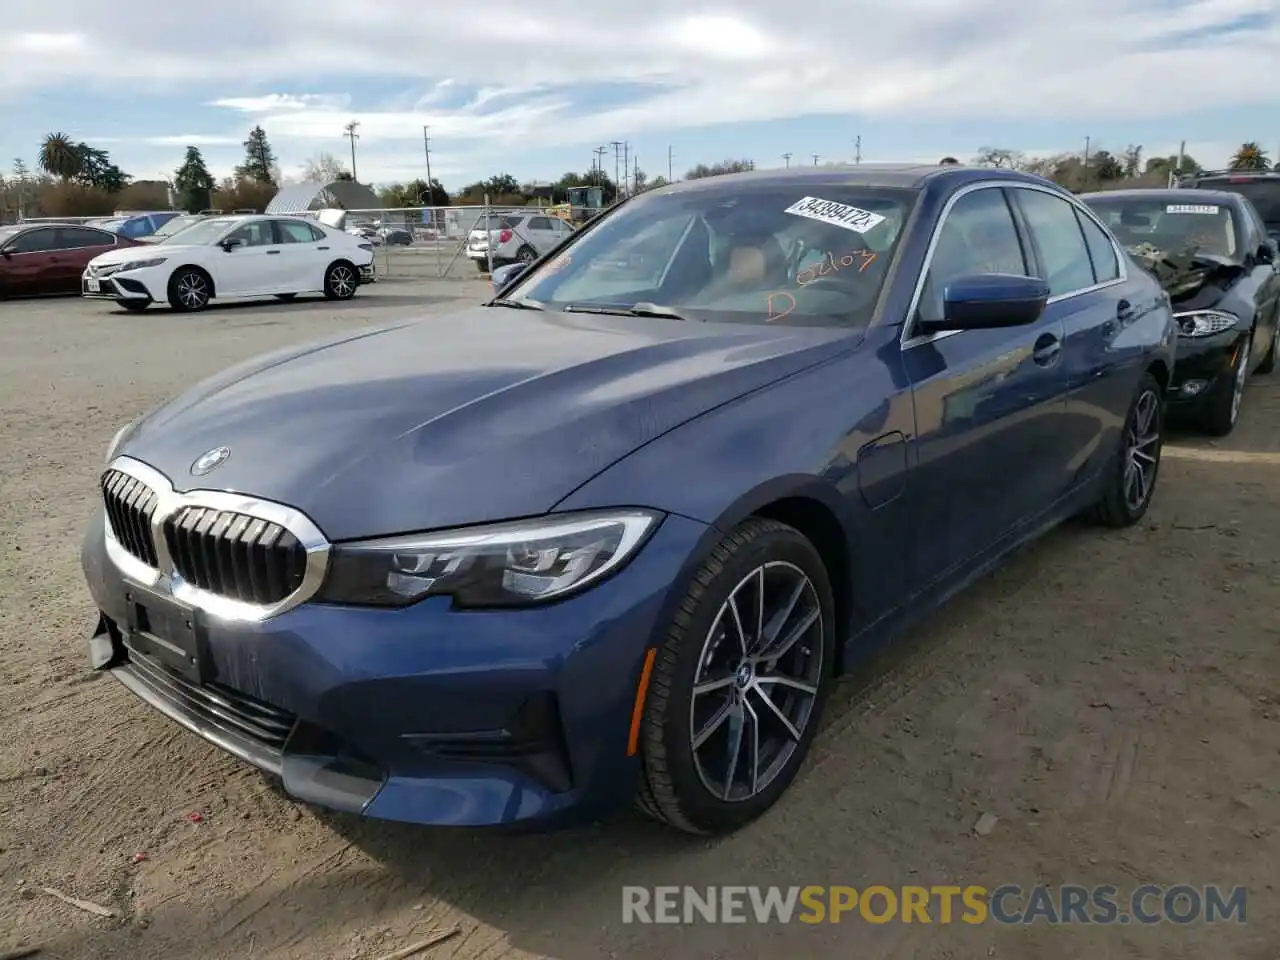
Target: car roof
point(906, 176)
point(1167, 195)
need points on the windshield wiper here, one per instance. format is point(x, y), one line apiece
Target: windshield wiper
point(635, 310)
point(517, 304)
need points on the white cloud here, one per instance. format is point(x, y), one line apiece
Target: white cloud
point(936, 61)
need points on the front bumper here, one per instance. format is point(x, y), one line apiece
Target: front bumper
point(426, 714)
point(140, 285)
point(367, 273)
point(1204, 366)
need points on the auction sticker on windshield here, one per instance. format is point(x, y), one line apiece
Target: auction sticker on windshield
point(836, 214)
point(1208, 209)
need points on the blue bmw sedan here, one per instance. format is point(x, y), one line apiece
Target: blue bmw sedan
point(612, 536)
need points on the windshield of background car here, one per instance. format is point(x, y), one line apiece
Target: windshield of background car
point(1262, 192)
point(1172, 228)
point(204, 231)
point(801, 253)
point(176, 224)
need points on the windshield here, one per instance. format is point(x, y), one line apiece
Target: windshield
point(1171, 228)
point(176, 224)
point(107, 224)
point(1263, 192)
point(202, 231)
point(806, 254)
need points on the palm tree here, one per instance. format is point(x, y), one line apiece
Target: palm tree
point(1250, 157)
point(60, 156)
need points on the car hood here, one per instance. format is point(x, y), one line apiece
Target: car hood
point(484, 415)
point(125, 254)
point(1194, 281)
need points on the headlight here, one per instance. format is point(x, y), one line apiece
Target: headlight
point(121, 436)
point(499, 565)
point(1204, 323)
point(141, 264)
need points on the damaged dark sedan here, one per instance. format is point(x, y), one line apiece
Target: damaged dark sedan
point(1210, 251)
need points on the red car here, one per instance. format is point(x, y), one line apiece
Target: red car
point(44, 258)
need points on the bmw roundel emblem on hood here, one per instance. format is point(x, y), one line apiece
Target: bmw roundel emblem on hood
point(210, 460)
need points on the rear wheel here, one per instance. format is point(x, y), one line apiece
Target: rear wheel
point(526, 254)
point(1132, 481)
point(739, 683)
point(340, 281)
point(190, 289)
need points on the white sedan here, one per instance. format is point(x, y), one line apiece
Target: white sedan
point(232, 257)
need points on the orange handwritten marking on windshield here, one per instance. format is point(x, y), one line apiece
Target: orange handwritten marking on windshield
point(859, 259)
point(779, 304)
point(559, 263)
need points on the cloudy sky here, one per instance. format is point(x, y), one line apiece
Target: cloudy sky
point(530, 88)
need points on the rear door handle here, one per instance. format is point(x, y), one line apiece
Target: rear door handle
point(322, 248)
point(1047, 350)
point(272, 253)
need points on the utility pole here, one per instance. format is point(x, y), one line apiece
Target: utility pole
point(815, 159)
point(857, 149)
point(599, 152)
point(626, 168)
point(787, 157)
point(670, 164)
point(1086, 161)
point(426, 149)
point(617, 161)
point(349, 131)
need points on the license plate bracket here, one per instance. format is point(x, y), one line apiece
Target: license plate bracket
point(93, 285)
point(167, 632)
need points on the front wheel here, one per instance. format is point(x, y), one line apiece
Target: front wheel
point(738, 685)
point(340, 281)
point(1223, 410)
point(1269, 361)
point(1131, 482)
point(190, 290)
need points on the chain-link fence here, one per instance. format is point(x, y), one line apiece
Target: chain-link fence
point(454, 242)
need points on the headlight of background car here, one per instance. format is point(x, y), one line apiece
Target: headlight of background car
point(121, 436)
point(1204, 323)
point(498, 565)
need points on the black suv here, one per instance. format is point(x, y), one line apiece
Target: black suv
point(1262, 187)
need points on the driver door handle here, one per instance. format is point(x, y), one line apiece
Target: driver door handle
point(1047, 350)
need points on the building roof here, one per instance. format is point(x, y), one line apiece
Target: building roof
point(314, 195)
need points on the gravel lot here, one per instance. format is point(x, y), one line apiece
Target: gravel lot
point(1114, 698)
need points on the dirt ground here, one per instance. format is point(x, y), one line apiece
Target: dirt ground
point(1114, 698)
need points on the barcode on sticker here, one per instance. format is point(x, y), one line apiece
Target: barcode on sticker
point(1203, 208)
point(836, 214)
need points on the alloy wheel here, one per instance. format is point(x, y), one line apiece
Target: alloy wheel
point(1242, 374)
point(1142, 450)
point(342, 281)
point(757, 681)
point(193, 290)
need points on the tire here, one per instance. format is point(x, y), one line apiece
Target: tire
point(1269, 361)
point(134, 306)
point(677, 778)
point(1222, 410)
point(526, 254)
point(190, 290)
point(1140, 445)
point(482, 266)
point(340, 281)
point(285, 296)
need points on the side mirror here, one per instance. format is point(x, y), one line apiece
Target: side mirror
point(504, 275)
point(989, 301)
point(6, 253)
point(1266, 252)
point(231, 243)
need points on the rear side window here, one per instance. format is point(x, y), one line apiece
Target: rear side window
point(1065, 258)
point(540, 223)
point(295, 231)
point(1101, 251)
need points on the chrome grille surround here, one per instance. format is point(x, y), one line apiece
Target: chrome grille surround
point(169, 503)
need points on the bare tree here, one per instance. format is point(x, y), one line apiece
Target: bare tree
point(1001, 158)
point(324, 168)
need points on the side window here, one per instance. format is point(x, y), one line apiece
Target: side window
point(978, 236)
point(540, 223)
point(255, 234)
point(1101, 252)
point(1255, 231)
point(1053, 223)
point(34, 241)
point(295, 231)
point(74, 237)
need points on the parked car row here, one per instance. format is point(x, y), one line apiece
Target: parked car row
point(612, 536)
point(514, 238)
